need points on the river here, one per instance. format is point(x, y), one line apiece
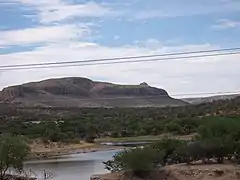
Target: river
point(71, 167)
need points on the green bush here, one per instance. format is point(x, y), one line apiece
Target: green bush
point(139, 161)
point(13, 151)
point(172, 127)
point(171, 150)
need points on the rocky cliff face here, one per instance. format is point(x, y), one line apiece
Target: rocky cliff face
point(83, 92)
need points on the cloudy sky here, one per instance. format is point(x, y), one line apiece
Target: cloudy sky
point(39, 31)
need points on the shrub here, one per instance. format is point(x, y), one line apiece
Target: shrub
point(170, 150)
point(139, 161)
point(172, 127)
point(13, 151)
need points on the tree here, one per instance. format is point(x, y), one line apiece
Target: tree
point(13, 151)
point(52, 134)
point(171, 149)
point(91, 134)
point(139, 161)
point(172, 127)
point(196, 151)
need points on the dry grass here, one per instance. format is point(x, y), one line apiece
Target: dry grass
point(39, 147)
point(186, 172)
point(40, 151)
point(144, 138)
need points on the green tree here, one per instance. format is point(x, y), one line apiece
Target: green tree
point(172, 127)
point(139, 161)
point(171, 149)
point(91, 134)
point(13, 151)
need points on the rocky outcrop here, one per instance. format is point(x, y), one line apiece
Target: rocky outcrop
point(83, 92)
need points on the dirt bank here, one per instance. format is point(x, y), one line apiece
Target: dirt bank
point(42, 151)
point(39, 150)
point(185, 172)
point(12, 177)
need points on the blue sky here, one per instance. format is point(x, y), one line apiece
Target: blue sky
point(62, 30)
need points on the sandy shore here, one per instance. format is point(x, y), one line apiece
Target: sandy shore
point(40, 151)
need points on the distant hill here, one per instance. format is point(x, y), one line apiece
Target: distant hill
point(210, 98)
point(83, 92)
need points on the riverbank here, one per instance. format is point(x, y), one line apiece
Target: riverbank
point(184, 172)
point(143, 138)
point(14, 177)
point(40, 151)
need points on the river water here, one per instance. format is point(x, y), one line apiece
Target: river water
point(71, 167)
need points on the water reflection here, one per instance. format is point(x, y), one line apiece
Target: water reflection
point(72, 167)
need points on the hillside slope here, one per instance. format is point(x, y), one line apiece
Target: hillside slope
point(210, 99)
point(83, 92)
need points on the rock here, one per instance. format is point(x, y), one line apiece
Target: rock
point(218, 172)
point(144, 84)
point(210, 174)
point(96, 177)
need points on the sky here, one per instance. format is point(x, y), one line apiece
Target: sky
point(39, 31)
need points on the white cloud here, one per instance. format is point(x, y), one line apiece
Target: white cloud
point(67, 42)
point(49, 11)
point(226, 24)
point(181, 8)
point(179, 76)
point(150, 15)
point(117, 37)
point(43, 34)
